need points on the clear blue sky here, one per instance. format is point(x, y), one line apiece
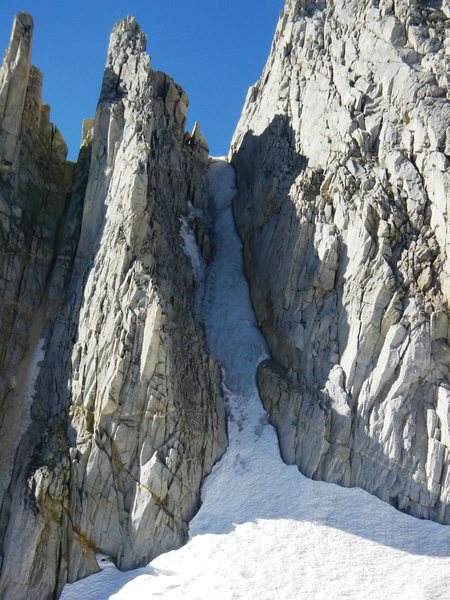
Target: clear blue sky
point(214, 48)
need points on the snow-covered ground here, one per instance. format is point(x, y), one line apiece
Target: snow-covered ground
point(264, 531)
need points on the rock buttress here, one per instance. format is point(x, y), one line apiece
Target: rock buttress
point(127, 415)
point(342, 159)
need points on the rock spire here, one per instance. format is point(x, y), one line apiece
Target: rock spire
point(120, 415)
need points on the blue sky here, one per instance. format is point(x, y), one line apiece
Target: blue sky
point(214, 49)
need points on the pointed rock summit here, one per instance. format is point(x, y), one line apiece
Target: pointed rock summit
point(127, 59)
point(127, 39)
point(14, 76)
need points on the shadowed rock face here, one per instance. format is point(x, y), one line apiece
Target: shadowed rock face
point(37, 241)
point(112, 409)
point(110, 405)
point(342, 159)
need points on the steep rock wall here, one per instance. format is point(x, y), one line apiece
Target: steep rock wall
point(39, 226)
point(126, 413)
point(342, 159)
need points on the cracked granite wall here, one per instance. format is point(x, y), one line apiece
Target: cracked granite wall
point(39, 225)
point(124, 414)
point(342, 158)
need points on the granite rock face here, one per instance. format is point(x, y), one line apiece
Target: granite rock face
point(123, 415)
point(342, 158)
point(37, 242)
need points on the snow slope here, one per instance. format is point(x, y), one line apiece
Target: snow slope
point(264, 531)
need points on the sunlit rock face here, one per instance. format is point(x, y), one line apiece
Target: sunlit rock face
point(342, 158)
point(112, 409)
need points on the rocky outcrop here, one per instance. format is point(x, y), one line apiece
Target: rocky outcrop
point(124, 415)
point(342, 159)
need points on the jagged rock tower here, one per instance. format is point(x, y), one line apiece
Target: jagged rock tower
point(342, 157)
point(111, 411)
